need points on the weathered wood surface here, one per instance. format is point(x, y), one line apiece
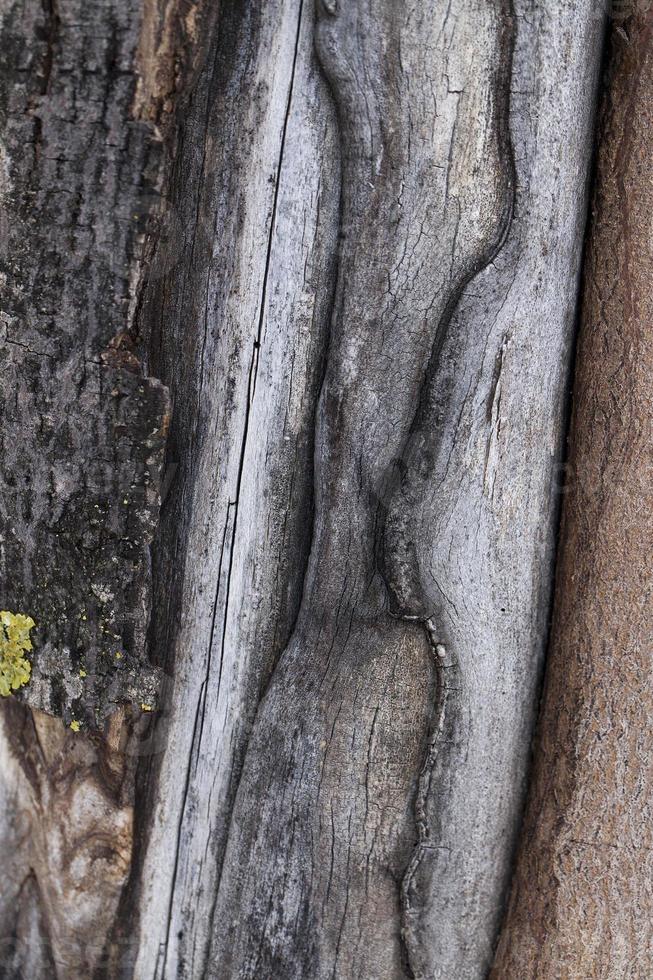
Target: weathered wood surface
point(350, 589)
point(67, 843)
point(581, 900)
point(340, 737)
point(245, 318)
point(326, 817)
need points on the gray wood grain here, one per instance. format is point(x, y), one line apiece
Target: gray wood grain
point(486, 527)
point(360, 298)
point(331, 814)
point(239, 335)
point(338, 741)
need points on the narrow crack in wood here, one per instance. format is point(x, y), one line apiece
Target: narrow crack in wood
point(411, 237)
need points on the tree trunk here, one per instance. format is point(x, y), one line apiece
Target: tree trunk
point(327, 262)
point(581, 900)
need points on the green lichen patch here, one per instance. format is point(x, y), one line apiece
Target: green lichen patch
point(15, 668)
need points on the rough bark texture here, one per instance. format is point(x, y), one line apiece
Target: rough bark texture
point(359, 294)
point(82, 428)
point(581, 900)
point(82, 441)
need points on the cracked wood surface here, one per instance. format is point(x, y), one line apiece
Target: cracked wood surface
point(245, 315)
point(487, 525)
point(310, 876)
point(581, 898)
point(336, 774)
point(356, 689)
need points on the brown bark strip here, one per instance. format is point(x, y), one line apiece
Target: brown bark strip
point(174, 36)
point(581, 903)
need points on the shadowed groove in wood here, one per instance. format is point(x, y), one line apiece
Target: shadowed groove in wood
point(251, 387)
point(239, 334)
point(413, 231)
point(408, 597)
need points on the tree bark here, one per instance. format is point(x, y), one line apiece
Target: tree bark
point(82, 165)
point(352, 290)
point(581, 898)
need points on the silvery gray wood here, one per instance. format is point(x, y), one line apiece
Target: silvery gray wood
point(362, 305)
point(330, 802)
point(487, 526)
point(242, 344)
point(338, 741)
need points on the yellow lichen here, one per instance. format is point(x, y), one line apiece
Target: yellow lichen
point(75, 725)
point(15, 669)
point(145, 707)
point(82, 673)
